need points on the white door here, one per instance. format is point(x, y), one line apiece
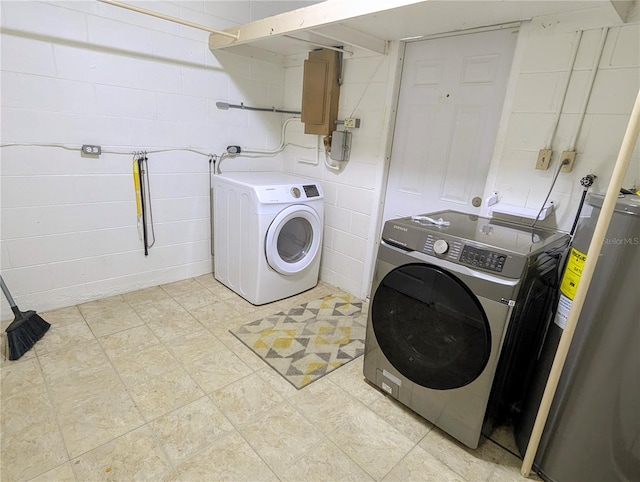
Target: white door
point(450, 102)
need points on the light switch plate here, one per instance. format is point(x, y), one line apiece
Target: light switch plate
point(544, 158)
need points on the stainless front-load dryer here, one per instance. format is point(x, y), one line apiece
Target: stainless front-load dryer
point(458, 309)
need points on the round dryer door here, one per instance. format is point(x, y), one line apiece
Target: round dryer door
point(431, 327)
point(293, 239)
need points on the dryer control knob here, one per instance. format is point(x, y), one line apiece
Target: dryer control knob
point(295, 192)
point(440, 246)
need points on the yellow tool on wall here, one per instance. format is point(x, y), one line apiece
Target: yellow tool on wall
point(136, 184)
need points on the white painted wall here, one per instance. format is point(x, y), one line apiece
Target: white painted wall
point(102, 75)
point(542, 59)
point(85, 72)
point(352, 195)
point(537, 84)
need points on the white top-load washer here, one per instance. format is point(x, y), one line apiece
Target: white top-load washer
point(267, 229)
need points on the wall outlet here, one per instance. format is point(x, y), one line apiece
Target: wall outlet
point(91, 150)
point(544, 159)
point(351, 123)
point(571, 157)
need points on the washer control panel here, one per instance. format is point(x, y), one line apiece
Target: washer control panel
point(464, 254)
point(440, 246)
point(501, 249)
point(482, 258)
point(286, 193)
point(311, 190)
point(447, 249)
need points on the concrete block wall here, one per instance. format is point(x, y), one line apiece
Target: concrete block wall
point(352, 195)
point(545, 49)
point(102, 75)
point(78, 73)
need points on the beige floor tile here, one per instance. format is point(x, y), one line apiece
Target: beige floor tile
point(182, 287)
point(217, 313)
point(160, 310)
point(191, 347)
point(190, 429)
point(72, 360)
point(224, 325)
point(62, 473)
point(420, 465)
point(67, 398)
point(258, 314)
point(25, 408)
point(98, 420)
point(248, 356)
point(276, 381)
point(146, 296)
point(103, 305)
point(372, 443)
point(61, 337)
point(133, 456)
point(208, 281)
point(33, 451)
point(315, 293)
point(217, 370)
point(281, 436)
point(197, 299)
point(406, 421)
point(326, 405)
point(351, 379)
point(243, 307)
point(168, 328)
point(144, 365)
point(19, 376)
point(165, 393)
point(95, 382)
point(228, 458)
point(109, 316)
point(63, 316)
point(129, 342)
point(222, 292)
point(325, 463)
point(248, 399)
point(503, 435)
point(67, 327)
point(470, 464)
point(508, 470)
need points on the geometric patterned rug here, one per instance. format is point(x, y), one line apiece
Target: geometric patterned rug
point(306, 342)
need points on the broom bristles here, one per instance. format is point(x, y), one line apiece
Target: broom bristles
point(24, 332)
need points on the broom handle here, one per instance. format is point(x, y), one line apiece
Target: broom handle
point(5, 290)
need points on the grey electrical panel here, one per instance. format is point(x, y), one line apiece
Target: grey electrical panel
point(340, 145)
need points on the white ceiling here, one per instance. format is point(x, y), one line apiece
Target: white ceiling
point(369, 24)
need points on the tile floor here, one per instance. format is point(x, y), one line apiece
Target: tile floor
point(151, 385)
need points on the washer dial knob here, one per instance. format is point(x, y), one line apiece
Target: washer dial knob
point(295, 192)
point(440, 246)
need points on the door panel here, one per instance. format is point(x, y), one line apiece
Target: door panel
point(449, 107)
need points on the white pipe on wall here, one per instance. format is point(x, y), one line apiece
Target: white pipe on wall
point(608, 206)
point(116, 3)
point(572, 62)
point(587, 95)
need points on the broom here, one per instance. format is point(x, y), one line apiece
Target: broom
point(24, 330)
